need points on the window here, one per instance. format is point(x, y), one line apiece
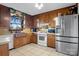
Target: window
point(15, 23)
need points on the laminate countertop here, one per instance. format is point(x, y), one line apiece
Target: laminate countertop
point(5, 39)
point(46, 33)
point(4, 42)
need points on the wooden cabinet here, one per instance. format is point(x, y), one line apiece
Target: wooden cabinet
point(17, 42)
point(4, 16)
point(49, 17)
point(33, 38)
point(22, 40)
point(28, 21)
point(28, 39)
point(4, 50)
point(51, 41)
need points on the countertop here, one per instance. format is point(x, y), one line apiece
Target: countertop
point(5, 39)
point(4, 42)
point(46, 33)
point(57, 35)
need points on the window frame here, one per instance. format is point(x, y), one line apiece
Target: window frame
point(21, 24)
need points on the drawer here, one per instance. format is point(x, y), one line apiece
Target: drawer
point(67, 48)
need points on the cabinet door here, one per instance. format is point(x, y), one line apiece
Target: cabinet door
point(4, 50)
point(51, 41)
point(17, 42)
point(28, 39)
point(34, 38)
point(24, 40)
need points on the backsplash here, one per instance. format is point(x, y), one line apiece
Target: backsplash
point(26, 30)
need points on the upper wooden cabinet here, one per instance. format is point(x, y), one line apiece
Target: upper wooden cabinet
point(4, 50)
point(51, 41)
point(4, 16)
point(48, 17)
point(29, 21)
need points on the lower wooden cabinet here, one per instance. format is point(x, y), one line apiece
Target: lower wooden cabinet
point(4, 50)
point(51, 41)
point(17, 42)
point(22, 40)
point(33, 38)
point(28, 39)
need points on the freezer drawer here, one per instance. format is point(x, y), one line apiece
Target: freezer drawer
point(67, 39)
point(67, 48)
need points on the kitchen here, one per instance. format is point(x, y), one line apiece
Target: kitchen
point(38, 30)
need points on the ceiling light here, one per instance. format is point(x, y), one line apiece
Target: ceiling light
point(39, 5)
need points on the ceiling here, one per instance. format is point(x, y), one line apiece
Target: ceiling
point(30, 8)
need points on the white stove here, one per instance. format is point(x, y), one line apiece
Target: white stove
point(42, 39)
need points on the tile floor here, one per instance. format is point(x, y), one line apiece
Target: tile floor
point(34, 50)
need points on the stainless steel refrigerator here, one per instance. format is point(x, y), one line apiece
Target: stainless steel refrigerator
point(67, 35)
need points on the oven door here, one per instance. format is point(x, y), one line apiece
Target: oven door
point(42, 40)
